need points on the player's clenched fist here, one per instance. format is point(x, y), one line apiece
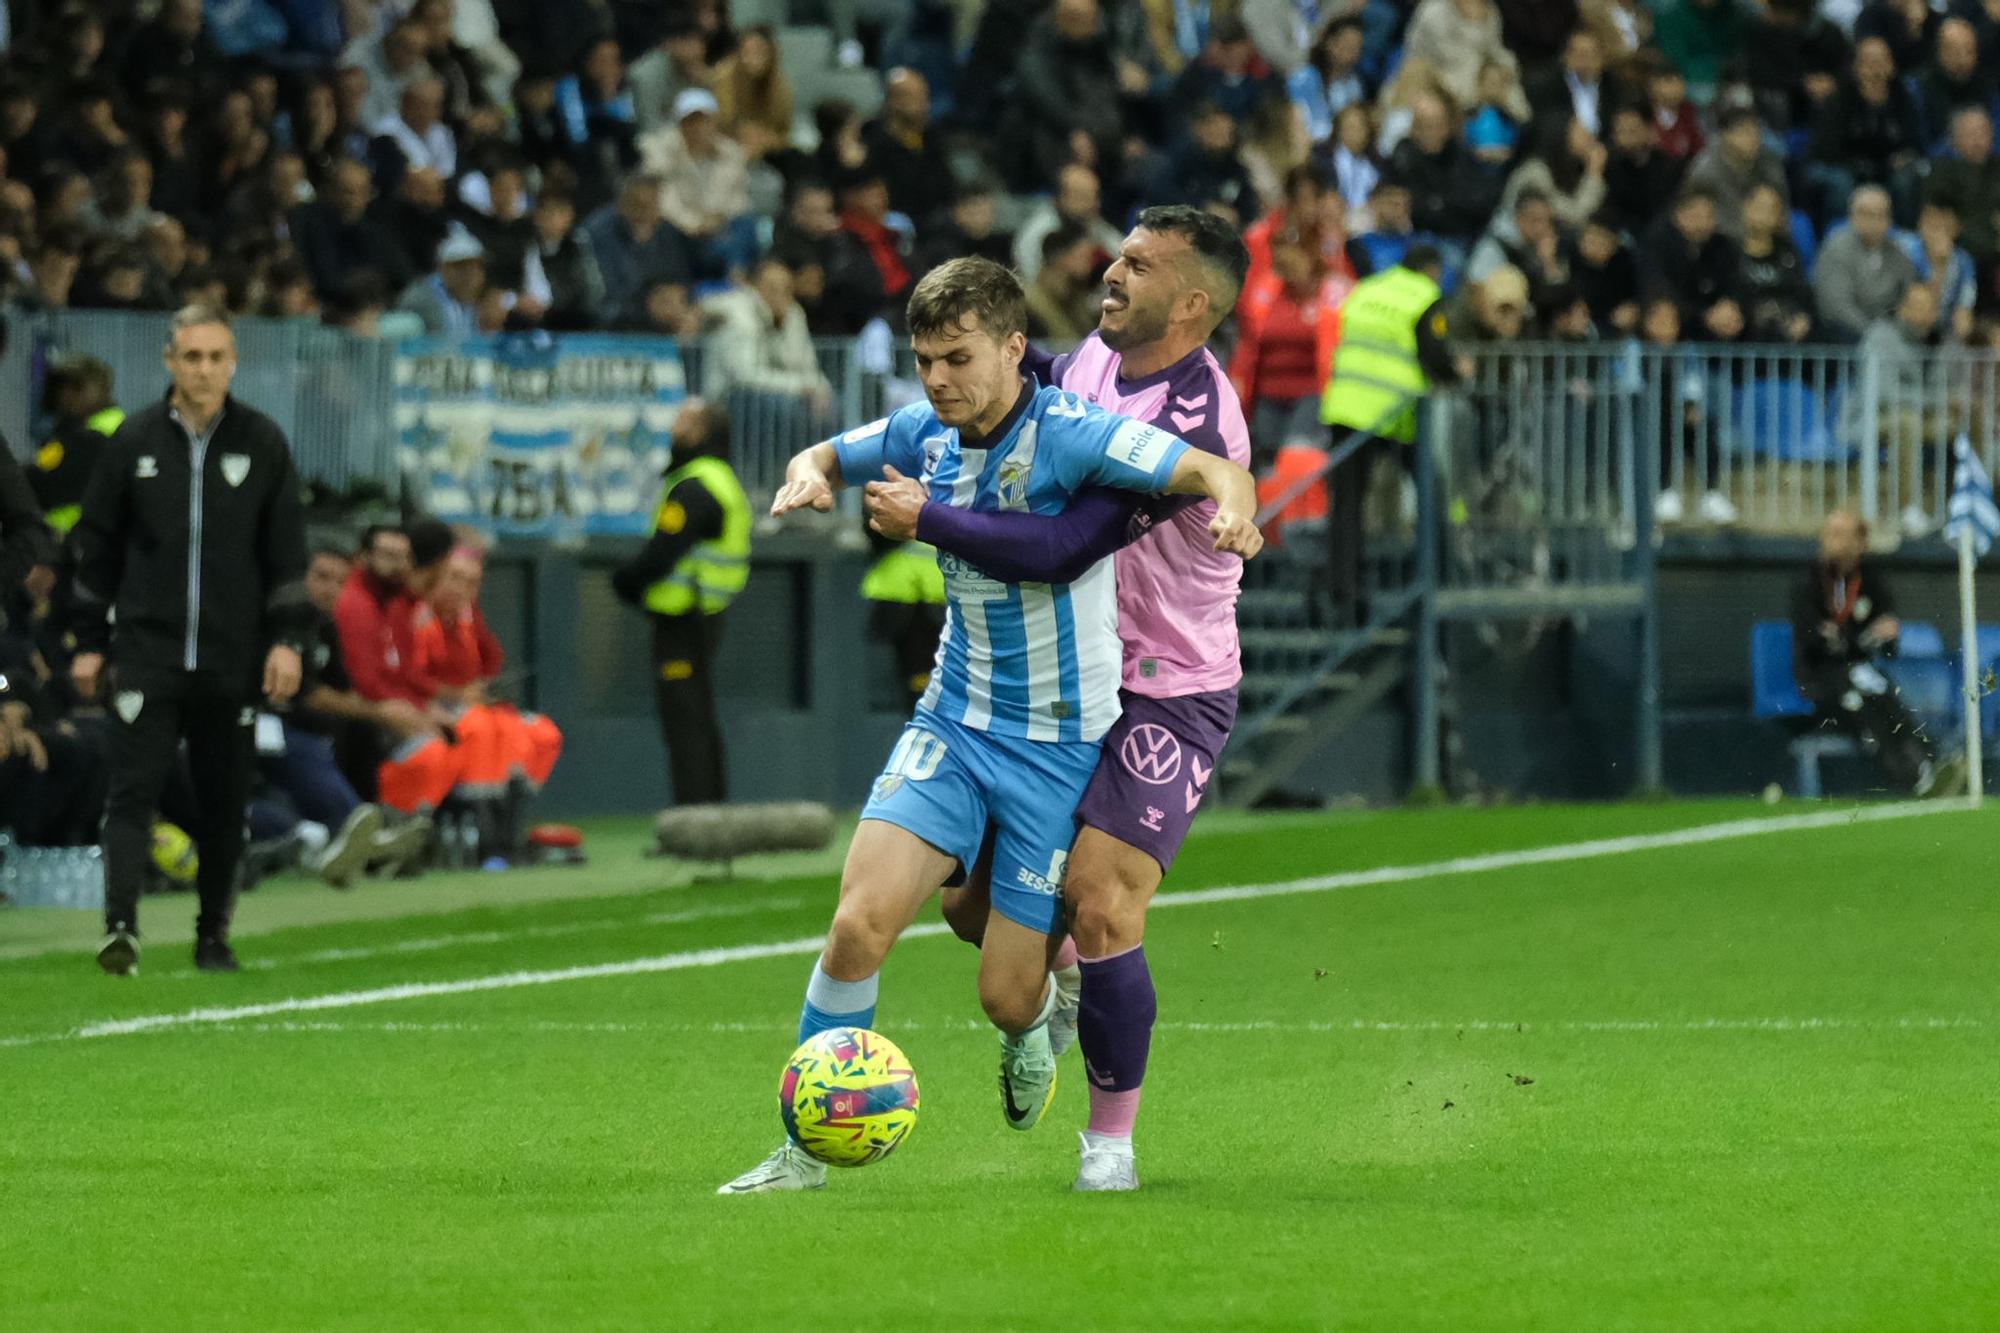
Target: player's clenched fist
point(1235, 532)
point(803, 493)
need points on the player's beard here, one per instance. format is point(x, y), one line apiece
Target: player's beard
point(1138, 327)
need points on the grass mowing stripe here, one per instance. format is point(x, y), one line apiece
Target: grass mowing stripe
point(1600, 847)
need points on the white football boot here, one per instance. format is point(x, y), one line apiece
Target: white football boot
point(788, 1170)
point(1028, 1070)
point(1107, 1165)
point(1069, 1001)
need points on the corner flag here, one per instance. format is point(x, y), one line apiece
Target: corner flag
point(1972, 509)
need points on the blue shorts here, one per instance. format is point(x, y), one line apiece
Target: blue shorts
point(945, 783)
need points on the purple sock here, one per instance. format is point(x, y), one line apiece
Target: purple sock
point(1115, 1030)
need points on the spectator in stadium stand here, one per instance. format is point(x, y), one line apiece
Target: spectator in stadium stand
point(1686, 260)
point(392, 58)
point(173, 48)
point(1459, 38)
point(1676, 124)
point(416, 218)
point(866, 276)
point(632, 244)
point(115, 279)
point(1391, 348)
point(599, 122)
point(1077, 202)
point(121, 209)
point(1491, 132)
point(685, 577)
point(90, 135)
point(27, 549)
point(447, 302)
point(1352, 164)
point(753, 95)
point(1700, 37)
point(1204, 170)
point(965, 230)
point(54, 269)
point(1967, 181)
point(1575, 87)
point(1792, 60)
point(77, 399)
point(662, 309)
point(1777, 294)
point(1866, 134)
point(1566, 166)
point(1861, 271)
point(1637, 175)
point(1528, 240)
point(679, 62)
point(910, 155)
point(1287, 329)
point(1063, 298)
point(1331, 78)
point(418, 135)
point(1950, 81)
point(704, 185)
point(1312, 217)
point(1067, 105)
point(455, 66)
point(1738, 162)
point(176, 169)
point(1448, 194)
point(837, 125)
point(52, 771)
point(1946, 270)
point(1535, 30)
point(493, 205)
point(1843, 615)
point(192, 531)
point(762, 347)
point(1907, 27)
point(1227, 75)
point(560, 283)
point(1623, 28)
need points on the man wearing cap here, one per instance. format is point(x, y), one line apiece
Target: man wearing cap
point(704, 183)
point(1391, 349)
point(448, 300)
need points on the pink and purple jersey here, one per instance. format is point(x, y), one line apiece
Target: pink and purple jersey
point(1176, 593)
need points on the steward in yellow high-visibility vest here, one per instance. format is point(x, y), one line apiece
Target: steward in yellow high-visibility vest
point(1390, 349)
point(904, 589)
point(686, 576)
point(78, 396)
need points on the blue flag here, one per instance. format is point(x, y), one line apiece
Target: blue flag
point(1972, 508)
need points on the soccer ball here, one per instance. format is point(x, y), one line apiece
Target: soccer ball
point(848, 1096)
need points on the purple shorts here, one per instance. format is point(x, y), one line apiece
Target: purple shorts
point(1156, 765)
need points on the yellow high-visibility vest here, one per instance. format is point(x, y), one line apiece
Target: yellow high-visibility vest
point(708, 577)
point(1375, 365)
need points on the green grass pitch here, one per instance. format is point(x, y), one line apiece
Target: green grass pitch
point(1745, 1083)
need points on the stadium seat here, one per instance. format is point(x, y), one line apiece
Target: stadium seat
point(1773, 692)
point(1920, 638)
point(1803, 239)
point(1787, 420)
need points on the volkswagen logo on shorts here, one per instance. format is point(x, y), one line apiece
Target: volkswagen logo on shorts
point(1151, 754)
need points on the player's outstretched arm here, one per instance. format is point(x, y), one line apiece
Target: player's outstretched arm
point(810, 480)
point(1234, 491)
point(1011, 547)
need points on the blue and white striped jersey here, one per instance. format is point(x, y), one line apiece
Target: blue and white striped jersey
point(1034, 660)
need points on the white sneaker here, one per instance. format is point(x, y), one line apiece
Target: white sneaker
point(1716, 507)
point(1107, 1165)
point(1069, 1001)
point(788, 1170)
point(346, 854)
point(1668, 508)
point(1027, 1076)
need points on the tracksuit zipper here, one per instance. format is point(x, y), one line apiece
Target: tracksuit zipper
point(198, 454)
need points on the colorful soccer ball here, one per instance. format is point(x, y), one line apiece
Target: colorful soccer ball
point(848, 1096)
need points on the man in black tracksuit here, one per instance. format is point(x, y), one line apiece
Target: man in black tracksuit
point(193, 534)
point(1843, 615)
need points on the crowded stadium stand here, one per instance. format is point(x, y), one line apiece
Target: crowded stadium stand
point(1711, 271)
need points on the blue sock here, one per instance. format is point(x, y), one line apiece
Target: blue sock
point(837, 1004)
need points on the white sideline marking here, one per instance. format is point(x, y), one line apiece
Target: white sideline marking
point(1604, 1025)
point(1465, 865)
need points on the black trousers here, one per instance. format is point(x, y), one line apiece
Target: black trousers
point(60, 805)
point(153, 716)
point(684, 652)
point(1879, 722)
point(1346, 540)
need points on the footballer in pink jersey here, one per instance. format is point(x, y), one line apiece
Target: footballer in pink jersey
point(1176, 278)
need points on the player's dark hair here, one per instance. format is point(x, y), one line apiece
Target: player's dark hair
point(430, 542)
point(959, 289)
point(1214, 242)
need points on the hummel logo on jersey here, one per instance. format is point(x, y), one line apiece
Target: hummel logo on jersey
point(1153, 817)
point(148, 467)
point(1199, 400)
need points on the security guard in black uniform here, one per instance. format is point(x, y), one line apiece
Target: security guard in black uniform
point(686, 577)
point(192, 532)
point(78, 397)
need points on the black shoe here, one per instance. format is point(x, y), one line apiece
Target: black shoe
point(119, 954)
point(214, 955)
